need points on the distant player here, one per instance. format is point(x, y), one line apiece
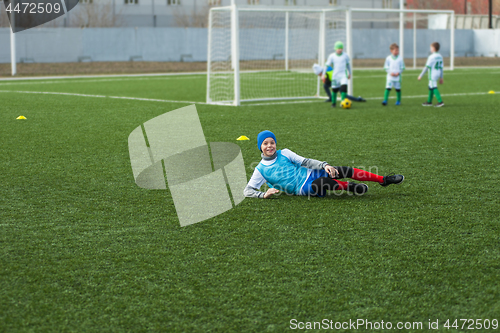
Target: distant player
point(283, 170)
point(327, 83)
point(394, 66)
point(341, 64)
point(435, 66)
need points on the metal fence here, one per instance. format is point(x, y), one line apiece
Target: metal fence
point(47, 45)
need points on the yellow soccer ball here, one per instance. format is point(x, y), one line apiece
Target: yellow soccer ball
point(346, 103)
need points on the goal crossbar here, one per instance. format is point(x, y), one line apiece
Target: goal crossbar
point(263, 8)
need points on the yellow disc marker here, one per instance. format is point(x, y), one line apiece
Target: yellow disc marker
point(242, 138)
point(21, 117)
point(491, 92)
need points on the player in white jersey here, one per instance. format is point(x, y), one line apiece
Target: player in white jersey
point(435, 67)
point(394, 66)
point(341, 64)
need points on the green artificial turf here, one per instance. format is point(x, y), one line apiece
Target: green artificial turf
point(83, 248)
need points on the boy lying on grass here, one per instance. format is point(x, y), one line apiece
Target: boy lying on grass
point(283, 170)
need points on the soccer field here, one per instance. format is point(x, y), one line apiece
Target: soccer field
point(83, 248)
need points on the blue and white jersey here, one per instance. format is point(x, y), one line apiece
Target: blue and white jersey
point(284, 173)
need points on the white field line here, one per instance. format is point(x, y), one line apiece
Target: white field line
point(181, 78)
point(67, 77)
point(83, 79)
point(100, 96)
point(374, 98)
point(406, 76)
point(193, 102)
point(96, 76)
point(477, 67)
point(118, 79)
point(274, 78)
point(447, 95)
point(51, 93)
point(98, 80)
point(155, 100)
point(447, 69)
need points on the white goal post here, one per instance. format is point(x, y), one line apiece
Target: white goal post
point(258, 53)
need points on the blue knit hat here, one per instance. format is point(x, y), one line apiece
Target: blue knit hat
point(264, 135)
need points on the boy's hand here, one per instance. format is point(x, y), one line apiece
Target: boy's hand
point(331, 171)
point(270, 192)
point(394, 74)
point(349, 77)
point(419, 77)
point(323, 78)
point(441, 81)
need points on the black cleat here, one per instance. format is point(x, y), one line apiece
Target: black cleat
point(384, 103)
point(392, 179)
point(438, 105)
point(334, 105)
point(426, 104)
point(361, 99)
point(357, 188)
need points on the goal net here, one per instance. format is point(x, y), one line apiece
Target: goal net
point(267, 53)
point(413, 30)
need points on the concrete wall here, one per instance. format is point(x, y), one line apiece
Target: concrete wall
point(106, 44)
point(190, 44)
point(374, 43)
point(486, 42)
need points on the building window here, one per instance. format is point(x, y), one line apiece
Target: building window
point(290, 2)
point(214, 2)
point(85, 1)
point(253, 2)
point(173, 2)
point(131, 2)
point(333, 2)
point(386, 3)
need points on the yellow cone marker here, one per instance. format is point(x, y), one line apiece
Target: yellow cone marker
point(491, 92)
point(242, 138)
point(21, 117)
